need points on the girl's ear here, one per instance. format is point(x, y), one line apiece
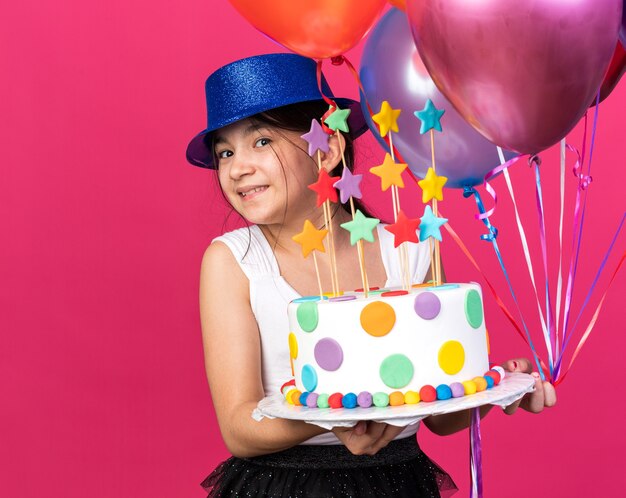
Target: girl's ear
point(330, 159)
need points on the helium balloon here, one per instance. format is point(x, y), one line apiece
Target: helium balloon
point(391, 70)
point(521, 72)
point(614, 73)
point(314, 28)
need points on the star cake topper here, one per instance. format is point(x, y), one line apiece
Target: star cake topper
point(404, 229)
point(390, 173)
point(310, 238)
point(387, 118)
point(432, 186)
point(317, 138)
point(361, 227)
point(324, 187)
point(430, 225)
point(430, 117)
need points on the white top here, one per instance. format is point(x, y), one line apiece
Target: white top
point(270, 294)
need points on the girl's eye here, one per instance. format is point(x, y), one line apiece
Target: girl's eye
point(224, 154)
point(261, 142)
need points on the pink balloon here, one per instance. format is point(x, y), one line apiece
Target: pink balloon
point(522, 72)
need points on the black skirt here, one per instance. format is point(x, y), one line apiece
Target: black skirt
point(399, 470)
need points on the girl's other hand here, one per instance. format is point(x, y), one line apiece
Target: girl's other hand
point(544, 395)
point(366, 438)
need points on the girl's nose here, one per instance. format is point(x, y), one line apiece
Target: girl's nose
point(241, 165)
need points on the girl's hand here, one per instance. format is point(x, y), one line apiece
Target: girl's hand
point(366, 438)
point(544, 395)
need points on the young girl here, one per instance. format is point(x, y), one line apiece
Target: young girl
point(258, 108)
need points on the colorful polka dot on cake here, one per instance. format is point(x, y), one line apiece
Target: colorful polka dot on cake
point(322, 401)
point(334, 400)
point(394, 293)
point(428, 393)
point(411, 398)
point(364, 399)
point(470, 387)
point(451, 357)
point(303, 398)
point(457, 389)
point(381, 399)
point(396, 371)
point(307, 316)
point(293, 345)
point(311, 400)
point(494, 375)
point(443, 391)
point(427, 305)
point(349, 400)
point(473, 308)
point(309, 378)
point(490, 381)
point(396, 398)
point(293, 397)
point(378, 318)
point(481, 383)
point(328, 354)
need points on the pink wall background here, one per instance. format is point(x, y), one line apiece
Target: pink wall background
point(103, 226)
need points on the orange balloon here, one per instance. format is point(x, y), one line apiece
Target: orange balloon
point(399, 4)
point(314, 28)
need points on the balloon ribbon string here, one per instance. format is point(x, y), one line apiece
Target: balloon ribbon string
point(589, 293)
point(592, 323)
point(332, 104)
point(526, 250)
point(491, 237)
point(492, 289)
point(584, 180)
point(551, 339)
point(476, 457)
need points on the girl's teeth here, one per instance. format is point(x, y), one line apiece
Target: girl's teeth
point(254, 190)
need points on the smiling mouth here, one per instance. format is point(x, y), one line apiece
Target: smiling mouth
point(253, 192)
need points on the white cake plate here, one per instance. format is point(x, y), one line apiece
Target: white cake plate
point(512, 387)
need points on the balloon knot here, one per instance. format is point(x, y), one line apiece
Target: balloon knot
point(338, 60)
point(534, 159)
point(468, 191)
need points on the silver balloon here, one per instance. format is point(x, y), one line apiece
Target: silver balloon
point(391, 70)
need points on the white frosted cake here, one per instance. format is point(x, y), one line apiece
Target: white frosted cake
point(393, 347)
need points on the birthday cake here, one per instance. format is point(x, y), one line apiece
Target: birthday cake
point(424, 342)
point(390, 348)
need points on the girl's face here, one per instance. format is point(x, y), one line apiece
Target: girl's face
point(264, 172)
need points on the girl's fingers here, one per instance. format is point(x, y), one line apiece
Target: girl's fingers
point(534, 402)
point(518, 365)
point(360, 428)
point(512, 408)
point(390, 432)
point(549, 394)
point(375, 430)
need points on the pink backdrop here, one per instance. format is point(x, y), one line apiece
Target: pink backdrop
point(103, 226)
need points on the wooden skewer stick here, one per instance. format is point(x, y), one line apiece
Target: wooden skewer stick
point(437, 276)
point(360, 252)
point(317, 273)
point(395, 197)
point(331, 245)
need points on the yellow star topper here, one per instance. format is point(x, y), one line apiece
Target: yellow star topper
point(310, 238)
point(390, 173)
point(432, 186)
point(387, 118)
